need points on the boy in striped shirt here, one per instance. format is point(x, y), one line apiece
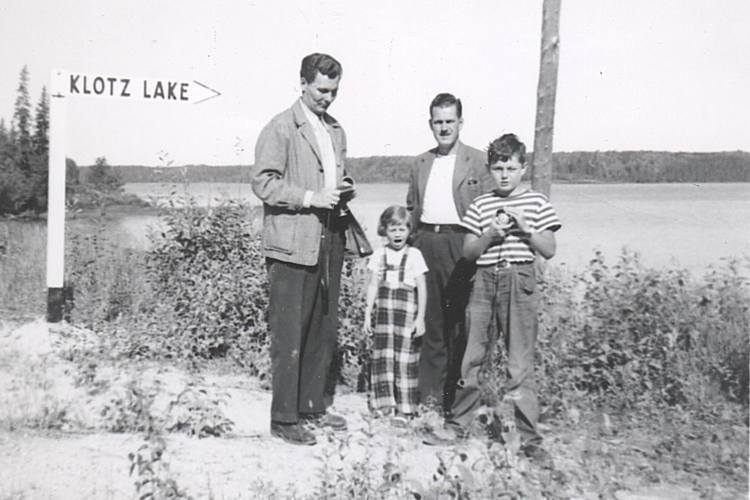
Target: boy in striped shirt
point(507, 229)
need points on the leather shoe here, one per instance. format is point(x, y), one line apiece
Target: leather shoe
point(538, 455)
point(293, 433)
point(335, 422)
point(449, 435)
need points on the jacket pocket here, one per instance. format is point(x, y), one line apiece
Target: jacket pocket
point(279, 232)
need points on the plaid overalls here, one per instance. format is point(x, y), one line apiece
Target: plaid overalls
point(395, 357)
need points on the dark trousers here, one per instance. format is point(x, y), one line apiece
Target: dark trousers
point(303, 320)
point(448, 285)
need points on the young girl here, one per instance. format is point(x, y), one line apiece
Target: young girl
point(397, 291)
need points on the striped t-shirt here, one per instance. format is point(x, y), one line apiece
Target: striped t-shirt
point(539, 215)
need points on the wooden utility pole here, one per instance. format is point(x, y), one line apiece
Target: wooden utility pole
point(541, 172)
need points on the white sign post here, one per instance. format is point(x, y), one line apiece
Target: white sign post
point(64, 84)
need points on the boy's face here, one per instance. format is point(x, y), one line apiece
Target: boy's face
point(507, 172)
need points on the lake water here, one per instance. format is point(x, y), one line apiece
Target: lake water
point(685, 225)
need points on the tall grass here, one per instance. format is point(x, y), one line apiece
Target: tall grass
point(618, 333)
point(22, 269)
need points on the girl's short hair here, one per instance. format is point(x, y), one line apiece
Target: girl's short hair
point(395, 214)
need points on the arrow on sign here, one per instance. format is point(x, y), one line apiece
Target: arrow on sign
point(153, 89)
point(214, 92)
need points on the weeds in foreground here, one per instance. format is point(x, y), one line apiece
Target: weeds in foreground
point(150, 470)
point(616, 339)
point(197, 413)
point(22, 269)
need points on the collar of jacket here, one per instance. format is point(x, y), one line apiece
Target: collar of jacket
point(300, 118)
point(461, 151)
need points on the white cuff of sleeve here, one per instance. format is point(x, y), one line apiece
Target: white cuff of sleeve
point(307, 199)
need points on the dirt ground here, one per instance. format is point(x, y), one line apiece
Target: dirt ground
point(52, 445)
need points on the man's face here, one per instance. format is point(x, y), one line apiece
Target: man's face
point(320, 93)
point(445, 125)
point(507, 172)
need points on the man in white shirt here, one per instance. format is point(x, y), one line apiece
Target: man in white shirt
point(298, 173)
point(444, 181)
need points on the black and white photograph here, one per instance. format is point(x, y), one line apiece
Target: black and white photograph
point(374, 250)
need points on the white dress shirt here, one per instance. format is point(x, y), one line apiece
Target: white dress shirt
point(438, 206)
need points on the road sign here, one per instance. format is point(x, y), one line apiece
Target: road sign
point(64, 84)
point(182, 90)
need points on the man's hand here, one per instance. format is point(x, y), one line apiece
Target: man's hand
point(347, 191)
point(325, 198)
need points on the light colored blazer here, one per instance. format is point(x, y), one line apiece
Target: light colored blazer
point(470, 179)
point(287, 164)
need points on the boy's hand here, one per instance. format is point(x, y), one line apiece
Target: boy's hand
point(419, 328)
point(519, 216)
point(499, 229)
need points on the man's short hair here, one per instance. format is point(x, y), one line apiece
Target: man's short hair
point(444, 100)
point(319, 63)
point(505, 147)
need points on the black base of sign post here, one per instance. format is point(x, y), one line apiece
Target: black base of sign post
point(55, 304)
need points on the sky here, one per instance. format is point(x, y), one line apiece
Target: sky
point(668, 75)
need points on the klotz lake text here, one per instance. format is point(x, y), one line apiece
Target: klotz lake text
point(111, 86)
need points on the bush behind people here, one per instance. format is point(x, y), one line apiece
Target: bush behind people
point(619, 334)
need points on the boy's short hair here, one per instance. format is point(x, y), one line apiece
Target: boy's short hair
point(395, 214)
point(444, 100)
point(505, 147)
point(315, 63)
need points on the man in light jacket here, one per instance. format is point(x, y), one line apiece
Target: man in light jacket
point(299, 175)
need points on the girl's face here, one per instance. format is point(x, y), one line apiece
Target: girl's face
point(397, 234)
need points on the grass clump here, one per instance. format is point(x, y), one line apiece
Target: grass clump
point(22, 269)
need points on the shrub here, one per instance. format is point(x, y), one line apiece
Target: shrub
point(351, 363)
point(105, 279)
point(637, 335)
point(620, 335)
point(209, 277)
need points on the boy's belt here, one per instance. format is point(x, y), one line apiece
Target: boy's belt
point(441, 228)
point(504, 264)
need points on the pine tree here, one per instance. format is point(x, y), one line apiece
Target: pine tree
point(39, 161)
point(22, 121)
point(40, 141)
point(3, 136)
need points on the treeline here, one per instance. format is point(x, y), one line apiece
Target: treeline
point(24, 147)
point(579, 166)
point(651, 166)
point(24, 164)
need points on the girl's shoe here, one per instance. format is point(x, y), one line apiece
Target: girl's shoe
point(399, 421)
point(382, 413)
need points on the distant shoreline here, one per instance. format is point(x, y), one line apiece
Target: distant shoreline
point(581, 167)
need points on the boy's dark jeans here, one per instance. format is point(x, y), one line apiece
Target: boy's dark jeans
point(503, 300)
point(303, 331)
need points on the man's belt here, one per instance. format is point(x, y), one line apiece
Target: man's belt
point(441, 228)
